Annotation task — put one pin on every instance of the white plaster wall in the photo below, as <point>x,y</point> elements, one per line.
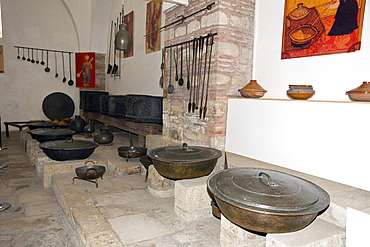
<point>40,24</point>
<point>140,73</point>
<point>68,25</point>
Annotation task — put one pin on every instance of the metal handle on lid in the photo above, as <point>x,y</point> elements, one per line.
<point>185,146</point>
<point>69,140</point>
<point>269,181</point>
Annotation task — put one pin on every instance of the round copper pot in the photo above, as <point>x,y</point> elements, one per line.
<point>184,162</point>
<point>266,201</point>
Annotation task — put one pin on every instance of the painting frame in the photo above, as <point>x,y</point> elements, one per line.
<point>321,27</point>
<point>85,69</point>
<point>153,22</point>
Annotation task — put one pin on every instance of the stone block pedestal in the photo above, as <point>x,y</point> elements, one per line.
<point>158,185</point>
<point>234,236</point>
<point>192,201</point>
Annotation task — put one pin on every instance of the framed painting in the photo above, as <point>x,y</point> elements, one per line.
<point>129,21</point>
<point>85,69</point>
<point>153,22</point>
<point>321,27</point>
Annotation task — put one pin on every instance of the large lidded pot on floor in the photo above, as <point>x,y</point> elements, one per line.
<point>184,162</point>
<point>266,201</point>
<point>69,149</point>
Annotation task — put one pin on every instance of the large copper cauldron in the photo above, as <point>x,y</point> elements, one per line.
<point>184,162</point>
<point>266,201</point>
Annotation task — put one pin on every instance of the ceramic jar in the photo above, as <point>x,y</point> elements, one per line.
<point>360,93</point>
<point>300,91</point>
<point>104,137</point>
<point>77,124</point>
<point>252,90</point>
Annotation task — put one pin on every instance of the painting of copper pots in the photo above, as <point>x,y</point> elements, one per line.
<point>301,92</point>
<point>360,93</point>
<point>266,201</point>
<point>252,90</point>
<point>184,162</point>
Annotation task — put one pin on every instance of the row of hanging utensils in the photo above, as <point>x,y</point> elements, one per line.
<point>33,55</point>
<point>194,73</point>
<point>114,69</point>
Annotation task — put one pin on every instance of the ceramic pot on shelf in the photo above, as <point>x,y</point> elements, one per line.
<point>300,92</point>
<point>104,137</point>
<point>360,93</point>
<point>252,90</point>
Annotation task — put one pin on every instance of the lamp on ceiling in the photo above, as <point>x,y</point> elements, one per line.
<point>122,39</point>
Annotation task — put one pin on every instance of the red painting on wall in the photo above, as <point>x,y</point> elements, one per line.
<point>321,27</point>
<point>85,69</point>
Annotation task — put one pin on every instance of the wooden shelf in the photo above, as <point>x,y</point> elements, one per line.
<point>141,129</point>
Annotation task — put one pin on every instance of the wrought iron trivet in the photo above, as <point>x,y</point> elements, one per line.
<point>95,181</point>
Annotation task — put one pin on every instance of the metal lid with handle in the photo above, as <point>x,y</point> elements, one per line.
<point>268,190</point>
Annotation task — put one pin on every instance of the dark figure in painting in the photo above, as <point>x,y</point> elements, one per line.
<point>345,21</point>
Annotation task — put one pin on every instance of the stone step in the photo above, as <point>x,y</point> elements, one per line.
<point>318,233</point>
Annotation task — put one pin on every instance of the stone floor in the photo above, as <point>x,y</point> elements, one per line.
<point>121,212</point>
<point>35,217</point>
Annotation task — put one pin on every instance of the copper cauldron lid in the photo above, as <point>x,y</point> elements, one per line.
<point>184,153</point>
<point>267,190</point>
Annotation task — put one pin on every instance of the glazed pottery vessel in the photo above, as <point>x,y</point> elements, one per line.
<point>301,92</point>
<point>360,93</point>
<point>252,90</point>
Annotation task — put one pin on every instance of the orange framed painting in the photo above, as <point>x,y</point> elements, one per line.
<point>321,27</point>
<point>85,69</point>
<point>153,23</point>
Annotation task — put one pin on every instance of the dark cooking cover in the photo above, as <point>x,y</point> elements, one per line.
<point>57,106</point>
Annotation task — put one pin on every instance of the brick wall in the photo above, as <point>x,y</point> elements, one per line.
<point>231,67</point>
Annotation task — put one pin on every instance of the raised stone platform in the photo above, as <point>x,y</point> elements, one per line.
<point>105,155</point>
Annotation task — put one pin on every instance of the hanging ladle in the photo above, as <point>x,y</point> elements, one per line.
<point>42,57</point>
<point>56,64</point>
<point>47,69</point>
<point>170,87</point>
<point>162,69</point>
<point>37,56</point>
<point>64,72</point>
<point>28,57</point>
<point>181,80</point>
<point>23,58</point>
<point>18,53</point>
<point>32,60</point>
<point>70,82</point>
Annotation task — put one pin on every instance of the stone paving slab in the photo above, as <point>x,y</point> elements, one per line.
<point>125,211</point>
<point>34,218</point>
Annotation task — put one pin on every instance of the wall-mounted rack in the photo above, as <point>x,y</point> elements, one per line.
<point>182,19</point>
<point>41,49</point>
<point>189,41</point>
